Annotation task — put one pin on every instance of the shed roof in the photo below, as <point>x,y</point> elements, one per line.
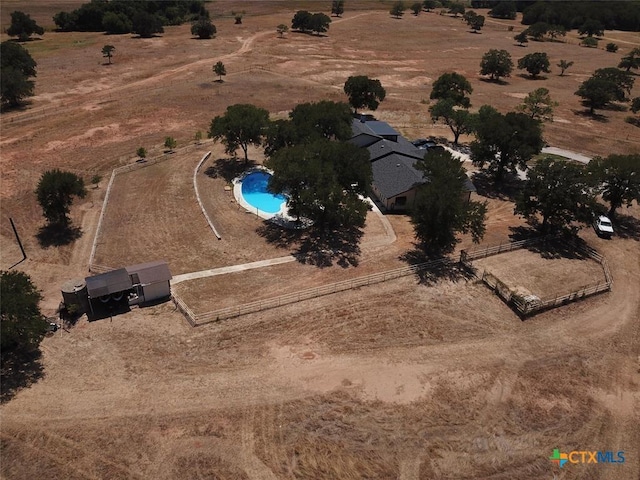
<point>152,272</point>
<point>107,283</point>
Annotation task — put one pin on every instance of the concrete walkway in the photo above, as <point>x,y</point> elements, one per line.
<point>578,157</point>
<point>231,269</point>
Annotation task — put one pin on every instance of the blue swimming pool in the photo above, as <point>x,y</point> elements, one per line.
<point>254,191</point>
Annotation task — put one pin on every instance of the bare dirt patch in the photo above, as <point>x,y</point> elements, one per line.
<point>545,273</point>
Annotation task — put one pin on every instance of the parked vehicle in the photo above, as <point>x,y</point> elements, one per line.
<point>603,226</point>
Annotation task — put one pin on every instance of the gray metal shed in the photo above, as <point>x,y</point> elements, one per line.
<point>151,280</point>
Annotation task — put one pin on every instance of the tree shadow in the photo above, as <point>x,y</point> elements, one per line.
<point>596,117</point>
<point>19,369</point>
<point>316,246</point>
<point>496,81</point>
<point>449,269</point>
<point>532,77</point>
<point>228,168</point>
<point>555,248</point>
<point>626,226</point>
<point>523,232</point>
<point>23,106</point>
<point>56,235</point>
<point>507,189</point>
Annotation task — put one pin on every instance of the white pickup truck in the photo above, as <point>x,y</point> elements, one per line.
<point>603,226</point>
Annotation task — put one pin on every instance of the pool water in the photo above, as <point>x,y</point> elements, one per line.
<point>254,191</point>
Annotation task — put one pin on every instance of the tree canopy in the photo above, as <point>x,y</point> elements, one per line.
<point>452,86</point>
<point>323,180</point>
<point>606,85</point>
<point>241,125</point>
<point>220,70</point>
<point>591,27</point>
<point>631,60</point>
<point>619,15</point>
<point>538,105</point>
<point>22,326</point>
<point>107,52</point>
<point>534,63</point>
<point>441,210</point>
<point>558,192</point>
<point>457,8</point>
<point>55,192</point>
<point>16,68</point>
<point>496,64</point>
<point>364,92</point>
<point>203,28</point>
<point>521,38</point>
<point>146,24</point>
<point>617,178</point>
<point>117,16</point>
<point>564,65</point>
<point>23,26</point>
<point>504,142</point>
<point>305,21</point>
<point>398,8</point>
<point>309,122</point>
<point>460,121</point>
<point>337,7</point>
<point>506,9</point>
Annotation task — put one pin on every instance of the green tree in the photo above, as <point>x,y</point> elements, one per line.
<point>564,65</point>
<point>170,143</point>
<point>219,70</point>
<point>556,31</point>
<point>319,23</point>
<point>282,29</point>
<point>241,125</point>
<point>397,10</point>
<point>309,122</point>
<point>538,105</point>
<point>591,28</point>
<point>146,24</point>
<point>589,42</point>
<point>458,120</point>
<point>22,326</point>
<point>323,181</point>
<point>521,38</point>
<point>364,92</point>
<point>538,30</point>
<point>635,105</point>
<point>198,137</point>
<point>55,192</point>
<point>116,23</point>
<point>596,93</point>
<point>141,152</point>
<point>632,60</point>
<point>504,142</point>
<point>457,8</point>
<point>416,8</point>
<point>476,23</point>
<point>429,4</point>
<point>452,86</point>
<point>611,47</point>
<point>16,67</point>
<point>107,52</point>
<point>557,191</point>
<point>203,28</point>
<point>441,211</point>
<point>622,80</point>
<point>534,63</point>
<point>496,64</point>
<point>505,9</point>
<point>337,8</point>
<point>95,180</point>
<point>618,179</point>
<point>301,20</point>
<point>23,26</point>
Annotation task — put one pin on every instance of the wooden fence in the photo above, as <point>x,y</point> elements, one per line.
<point>301,295</point>
<point>528,305</point>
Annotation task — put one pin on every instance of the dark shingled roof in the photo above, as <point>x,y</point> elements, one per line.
<point>152,272</point>
<point>107,283</point>
<point>395,174</point>
<point>392,162</point>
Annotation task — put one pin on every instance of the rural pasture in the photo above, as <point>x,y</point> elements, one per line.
<point>407,379</point>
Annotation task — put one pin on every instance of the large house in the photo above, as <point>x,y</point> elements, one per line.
<point>393,158</point>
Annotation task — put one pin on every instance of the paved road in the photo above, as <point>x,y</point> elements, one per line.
<point>567,153</point>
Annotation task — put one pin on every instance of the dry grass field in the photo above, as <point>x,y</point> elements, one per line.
<point>405,379</point>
